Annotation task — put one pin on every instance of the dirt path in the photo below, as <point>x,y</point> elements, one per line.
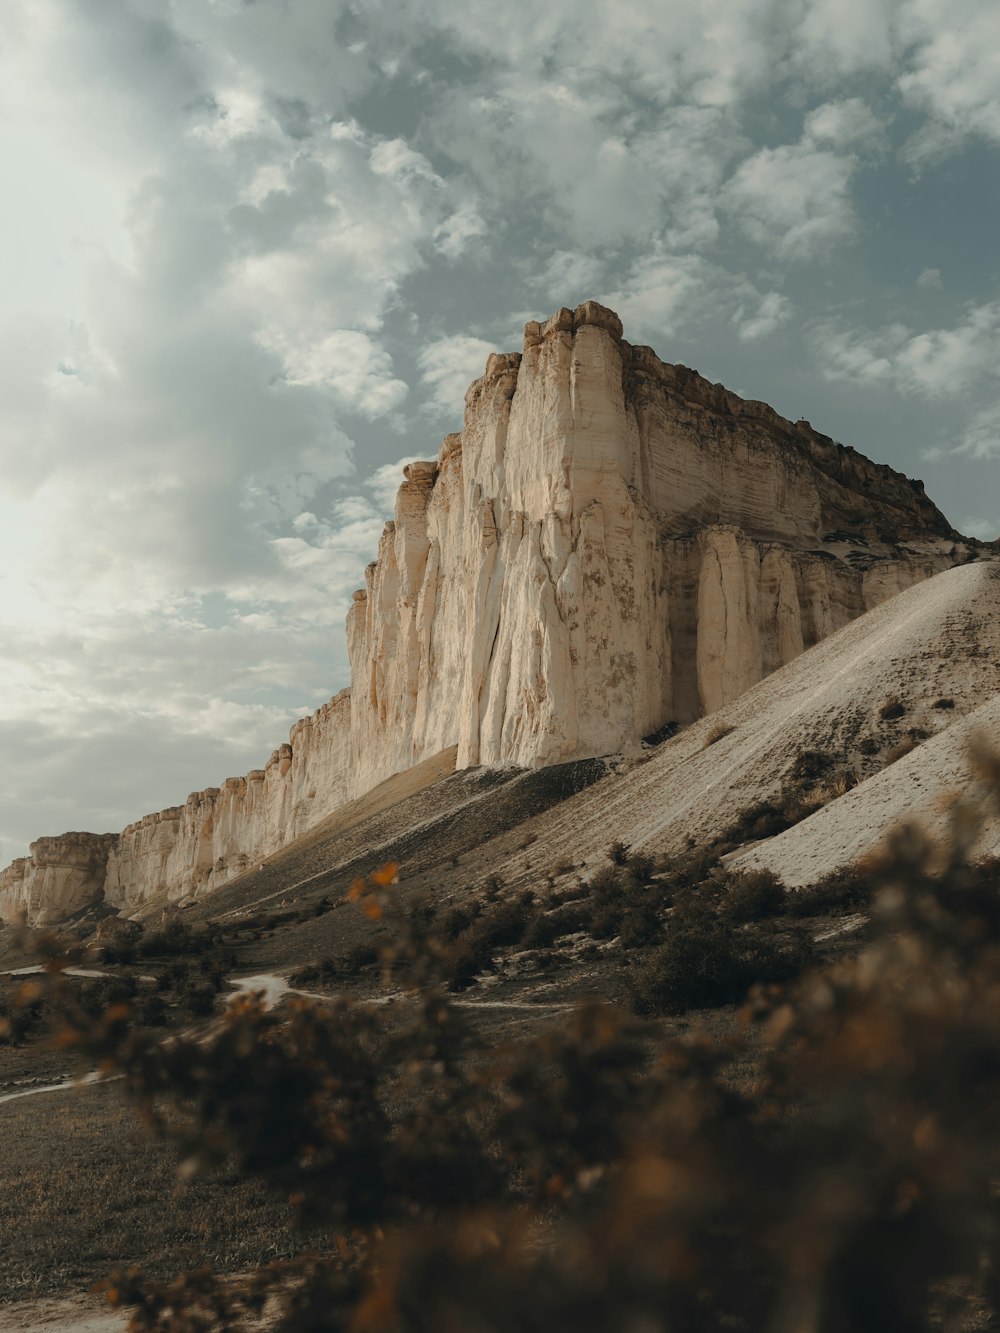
<point>274,987</point>
<point>88,1079</point>
<point>90,973</point>
<point>72,1314</point>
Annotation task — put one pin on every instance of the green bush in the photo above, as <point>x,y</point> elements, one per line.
<point>618,853</point>
<point>502,926</point>
<point>324,972</point>
<point>21,1018</point>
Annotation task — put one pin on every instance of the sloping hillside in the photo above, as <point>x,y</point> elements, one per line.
<point>919,672</point>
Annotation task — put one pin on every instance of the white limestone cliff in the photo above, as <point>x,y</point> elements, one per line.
<point>58,877</point>
<point>609,544</point>
<point>221,832</point>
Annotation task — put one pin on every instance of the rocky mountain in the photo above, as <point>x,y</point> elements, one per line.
<point>611,545</point>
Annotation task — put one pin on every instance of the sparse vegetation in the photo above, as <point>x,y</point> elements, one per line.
<point>89,1187</point>
<point>846,890</point>
<point>828,1160</point>
<point>871,1084</point>
<point>704,963</point>
<point>717,733</point>
<point>943,704</point>
<point>754,895</point>
<point>892,709</point>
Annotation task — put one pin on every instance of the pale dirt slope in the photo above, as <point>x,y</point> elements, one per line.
<point>918,788</point>
<point>938,640</point>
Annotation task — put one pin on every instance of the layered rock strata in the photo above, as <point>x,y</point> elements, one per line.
<point>611,543</point>
<point>58,877</point>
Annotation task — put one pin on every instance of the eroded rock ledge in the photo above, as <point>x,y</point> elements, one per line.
<point>609,544</point>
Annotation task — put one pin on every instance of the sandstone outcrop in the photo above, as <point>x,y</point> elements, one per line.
<point>610,544</point>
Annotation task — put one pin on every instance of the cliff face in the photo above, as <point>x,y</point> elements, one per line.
<point>221,832</point>
<point>60,876</point>
<point>611,543</point>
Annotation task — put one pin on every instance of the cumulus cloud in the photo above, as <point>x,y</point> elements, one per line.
<point>667,295</point>
<point>935,363</point>
<point>981,436</point>
<point>795,200</point>
<point>459,230</point>
<point>577,154</point>
<point>712,51</point>
<point>351,364</point>
<point>954,75</point>
<point>447,367</point>
<point>850,123</point>
<point>760,320</point>
<point>837,38</point>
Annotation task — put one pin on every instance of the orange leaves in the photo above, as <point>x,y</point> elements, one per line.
<point>367,891</point>
<point>356,890</point>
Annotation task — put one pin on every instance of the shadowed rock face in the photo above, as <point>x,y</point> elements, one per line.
<point>611,543</point>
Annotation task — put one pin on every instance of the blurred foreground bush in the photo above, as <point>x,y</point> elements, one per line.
<point>605,1179</point>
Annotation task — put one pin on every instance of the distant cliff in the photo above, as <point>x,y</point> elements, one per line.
<point>611,543</point>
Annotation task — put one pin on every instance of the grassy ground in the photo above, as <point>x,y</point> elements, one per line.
<point>86,1190</point>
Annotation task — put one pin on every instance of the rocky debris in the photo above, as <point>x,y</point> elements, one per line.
<point>118,930</point>
<point>610,544</point>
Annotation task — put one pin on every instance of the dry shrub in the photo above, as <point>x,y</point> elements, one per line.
<point>705,963</point>
<point>848,889</point>
<point>753,895</point>
<point>716,733</point>
<point>571,1183</point>
<point>897,752</point>
<point>892,709</point>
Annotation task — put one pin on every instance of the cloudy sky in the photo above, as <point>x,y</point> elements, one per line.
<point>252,252</point>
